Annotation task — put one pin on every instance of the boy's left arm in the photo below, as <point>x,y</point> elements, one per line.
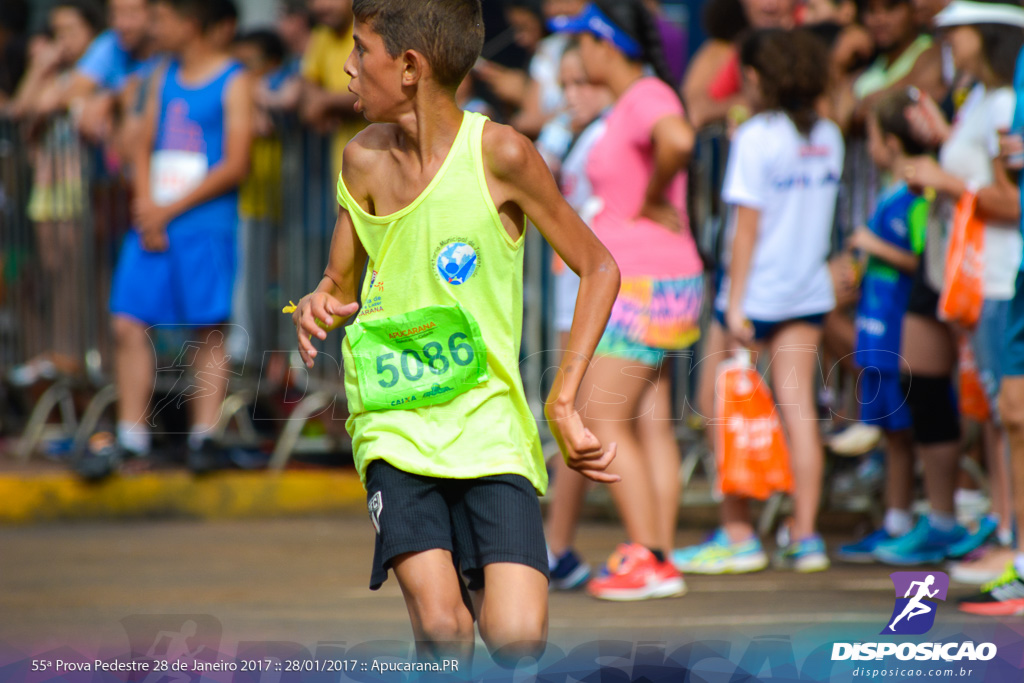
<point>873,245</point>
<point>523,179</point>
<point>233,167</point>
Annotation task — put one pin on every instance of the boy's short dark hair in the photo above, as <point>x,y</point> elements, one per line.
<point>448,33</point>
<point>208,13</point>
<point>891,114</point>
<point>91,13</point>
<point>267,41</point>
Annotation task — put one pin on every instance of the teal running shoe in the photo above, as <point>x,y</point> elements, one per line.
<point>862,552</point>
<point>806,555</point>
<point>718,555</point>
<point>924,545</point>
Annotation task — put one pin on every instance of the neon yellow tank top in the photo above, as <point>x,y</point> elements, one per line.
<point>432,359</point>
<point>881,74</point>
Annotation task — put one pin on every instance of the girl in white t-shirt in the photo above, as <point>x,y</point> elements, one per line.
<point>781,182</point>
<point>968,162</point>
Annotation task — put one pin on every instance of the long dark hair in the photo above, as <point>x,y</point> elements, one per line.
<point>793,70</point>
<point>1000,44</point>
<point>633,17</point>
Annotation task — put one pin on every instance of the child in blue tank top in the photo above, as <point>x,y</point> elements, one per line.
<point>177,267</point>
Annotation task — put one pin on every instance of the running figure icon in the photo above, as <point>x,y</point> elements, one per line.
<point>916,607</point>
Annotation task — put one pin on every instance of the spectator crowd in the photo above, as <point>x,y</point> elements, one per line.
<point>870,188</point>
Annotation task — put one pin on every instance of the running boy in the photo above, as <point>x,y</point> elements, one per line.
<point>433,203</point>
<point>177,267</point>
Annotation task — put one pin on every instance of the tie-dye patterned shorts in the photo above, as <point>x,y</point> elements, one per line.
<point>652,316</point>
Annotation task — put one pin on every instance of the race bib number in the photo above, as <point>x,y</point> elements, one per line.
<point>421,358</point>
<point>174,173</point>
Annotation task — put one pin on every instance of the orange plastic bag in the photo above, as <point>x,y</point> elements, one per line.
<point>973,399</point>
<point>963,289</point>
<point>750,446</point>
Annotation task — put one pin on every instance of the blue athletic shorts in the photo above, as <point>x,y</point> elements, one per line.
<point>882,401</point>
<point>189,284</point>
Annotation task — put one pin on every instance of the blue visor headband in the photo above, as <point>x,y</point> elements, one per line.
<point>592,20</point>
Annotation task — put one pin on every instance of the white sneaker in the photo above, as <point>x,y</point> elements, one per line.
<point>857,439</point>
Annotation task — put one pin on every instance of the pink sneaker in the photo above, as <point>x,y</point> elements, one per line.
<point>637,575</point>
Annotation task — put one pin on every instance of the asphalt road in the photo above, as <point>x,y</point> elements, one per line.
<point>100,588</point>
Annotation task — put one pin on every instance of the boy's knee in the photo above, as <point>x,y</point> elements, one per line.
<point>127,332</point>
<point>446,625</point>
<point>509,642</point>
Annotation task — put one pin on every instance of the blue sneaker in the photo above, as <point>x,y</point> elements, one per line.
<point>861,552</point>
<point>718,555</point>
<point>806,555</point>
<point>924,545</point>
<point>570,572</point>
<point>987,528</point>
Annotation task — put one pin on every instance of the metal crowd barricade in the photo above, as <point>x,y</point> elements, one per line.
<point>52,260</point>
<point>55,283</point>
<point>309,212</point>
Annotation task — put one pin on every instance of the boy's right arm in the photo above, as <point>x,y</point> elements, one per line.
<point>143,197</point>
<point>337,294</point>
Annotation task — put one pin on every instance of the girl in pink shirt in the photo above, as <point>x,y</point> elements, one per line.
<point>637,172</point>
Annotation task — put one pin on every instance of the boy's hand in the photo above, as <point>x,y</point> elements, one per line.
<point>151,222</point>
<point>318,307</point>
<point>861,238</point>
<point>580,448</point>
<point>663,213</point>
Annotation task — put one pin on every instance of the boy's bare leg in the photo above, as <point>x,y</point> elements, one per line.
<point>441,622</point>
<point>210,377</point>
<point>513,615</point>
<point>135,368</point>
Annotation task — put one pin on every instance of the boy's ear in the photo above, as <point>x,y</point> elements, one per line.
<point>414,67</point>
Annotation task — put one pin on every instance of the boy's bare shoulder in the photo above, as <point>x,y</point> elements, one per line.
<point>506,151</point>
<point>364,157</point>
<point>369,146</point>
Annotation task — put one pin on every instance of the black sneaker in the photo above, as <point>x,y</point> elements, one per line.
<point>1000,598</point>
<point>207,457</point>
<point>102,456</point>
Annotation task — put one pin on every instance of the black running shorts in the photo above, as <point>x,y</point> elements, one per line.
<point>480,521</point>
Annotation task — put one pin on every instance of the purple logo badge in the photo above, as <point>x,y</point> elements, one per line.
<point>916,596</point>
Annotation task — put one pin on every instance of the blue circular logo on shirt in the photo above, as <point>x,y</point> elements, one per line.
<point>456,263</point>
